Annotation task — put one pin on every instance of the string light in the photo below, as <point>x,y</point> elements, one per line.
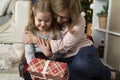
<point>92,5</point>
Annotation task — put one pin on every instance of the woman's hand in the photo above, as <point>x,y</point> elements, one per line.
<point>45,47</point>
<point>29,38</point>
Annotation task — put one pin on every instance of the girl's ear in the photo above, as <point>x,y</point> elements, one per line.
<point>33,1</point>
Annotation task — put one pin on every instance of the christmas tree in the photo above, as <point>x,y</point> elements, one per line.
<point>87,11</point>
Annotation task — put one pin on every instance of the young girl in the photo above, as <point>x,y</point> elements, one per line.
<point>40,24</point>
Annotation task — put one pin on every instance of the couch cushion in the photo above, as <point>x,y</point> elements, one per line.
<point>3,6</point>
<point>19,20</point>
<point>10,54</point>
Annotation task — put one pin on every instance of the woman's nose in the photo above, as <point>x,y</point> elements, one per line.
<point>59,19</point>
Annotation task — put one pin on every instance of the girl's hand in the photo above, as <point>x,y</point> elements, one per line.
<point>29,38</point>
<point>45,47</point>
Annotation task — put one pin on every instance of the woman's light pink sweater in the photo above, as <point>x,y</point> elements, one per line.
<point>70,43</point>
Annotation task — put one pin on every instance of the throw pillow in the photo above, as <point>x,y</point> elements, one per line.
<point>11,6</point>
<point>3,6</point>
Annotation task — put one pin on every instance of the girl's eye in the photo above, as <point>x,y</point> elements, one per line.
<point>47,20</point>
<point>39,20</point>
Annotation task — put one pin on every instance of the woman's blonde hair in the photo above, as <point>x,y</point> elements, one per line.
<point>40,6</point>
<point>74,7</point>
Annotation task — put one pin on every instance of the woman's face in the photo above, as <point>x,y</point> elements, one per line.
<point>43,20</point>
<point>62,16</point>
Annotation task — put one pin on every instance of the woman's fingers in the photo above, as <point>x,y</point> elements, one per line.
<point>26,37</point>
<point>29,37</point>
<point>26,32</point>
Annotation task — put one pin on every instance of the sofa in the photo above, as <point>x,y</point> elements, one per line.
<point>12,24</point>
<point>13,33</point>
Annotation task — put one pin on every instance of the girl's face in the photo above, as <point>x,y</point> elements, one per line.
<point>43,20</point>
<point>62,16</point>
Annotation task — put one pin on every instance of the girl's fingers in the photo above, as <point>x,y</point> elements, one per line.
<point>39,41</point>
<point>47,44</point>
<point>43,42</point>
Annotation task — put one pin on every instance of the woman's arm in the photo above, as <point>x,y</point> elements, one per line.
<point>65,44</point>
<point>29,38</point>
<point>69,40</point>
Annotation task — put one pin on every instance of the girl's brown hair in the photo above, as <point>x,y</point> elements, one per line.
<point>40,6</point>
<point>74,7</point>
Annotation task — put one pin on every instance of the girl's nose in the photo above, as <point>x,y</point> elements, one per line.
<point>43,23</point>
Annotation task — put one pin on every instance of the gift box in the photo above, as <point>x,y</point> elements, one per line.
<point>41,69</point>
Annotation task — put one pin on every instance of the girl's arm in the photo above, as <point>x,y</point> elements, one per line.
<point>29,52</point>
